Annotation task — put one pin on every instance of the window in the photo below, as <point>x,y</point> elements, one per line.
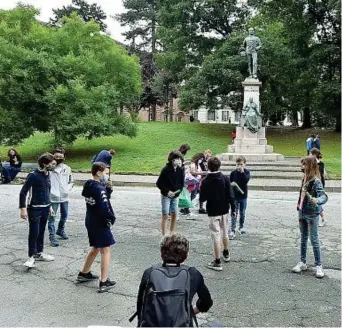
<point>225,116</point>
<point>195,113</point>
<point>211,115</point>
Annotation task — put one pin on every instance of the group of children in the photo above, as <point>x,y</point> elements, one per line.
<point>222,193</point>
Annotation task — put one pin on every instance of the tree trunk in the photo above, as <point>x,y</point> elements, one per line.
<point>294,117</point>
<point>338,122</point>
<point>153,30</point>
<point>306,118</point>
<point>153,109</point>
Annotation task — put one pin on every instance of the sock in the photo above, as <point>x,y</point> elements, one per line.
<point>225,251</point>
<point>218,261</point>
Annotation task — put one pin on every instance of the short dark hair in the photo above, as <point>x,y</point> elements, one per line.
<point>240,159</point>
<point>184,148</point>
<point>16,153</point>
<point>45,159</point>
<point>316,152</point>
<point>59,150</point>
<point>174,155</point>
<point>112,151</point>
<point>174,248</point>
<point>214,164</point>
<point>312,136</point>
<point>98,166</point>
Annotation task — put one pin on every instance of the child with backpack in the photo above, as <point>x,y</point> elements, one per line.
<point>317,153</point>
<point>216,191</point>
<point>240,178</point>
<point>311,196</point>
<point>166,290</point>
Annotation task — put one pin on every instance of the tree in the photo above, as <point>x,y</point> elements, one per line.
<point>83,9</point>
<point>141,20</point>
<point>69,81</point>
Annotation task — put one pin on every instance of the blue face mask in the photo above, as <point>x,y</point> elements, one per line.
<point>104,180</point>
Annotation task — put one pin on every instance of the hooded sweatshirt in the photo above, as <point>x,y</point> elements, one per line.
<point>217,192</point>
<point>99,209</point>
<point>171,179</point>
<point>61,183</point>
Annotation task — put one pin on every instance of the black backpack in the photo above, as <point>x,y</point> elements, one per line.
<point>166,300</point>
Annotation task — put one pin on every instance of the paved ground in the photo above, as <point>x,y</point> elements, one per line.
<point>256,289</point>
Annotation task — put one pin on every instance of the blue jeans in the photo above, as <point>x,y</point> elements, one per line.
<point>169,205</point>
<point>64,215</point>
<point>240,206</point>
<point>309,226</point>
<point>37,218</point>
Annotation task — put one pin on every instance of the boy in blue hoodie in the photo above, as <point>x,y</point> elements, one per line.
<point>99,218</point>
<point>241,177</point>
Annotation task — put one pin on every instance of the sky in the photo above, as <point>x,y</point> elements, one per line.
<point>110,7</point>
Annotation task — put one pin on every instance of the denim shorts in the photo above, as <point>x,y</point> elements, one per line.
<point>169,205</point>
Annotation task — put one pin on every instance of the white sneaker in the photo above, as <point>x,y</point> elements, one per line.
<point>191,216</point>
<point>30,262</point>
<point>242,231</point>
<point>43,257</point>
<point>319,271</point>
<point>300,267</point>
<point>322,223</point>
<point>232,235</point>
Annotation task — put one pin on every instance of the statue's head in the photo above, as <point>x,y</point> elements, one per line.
<point>250,99</point>
<point>251,31</point>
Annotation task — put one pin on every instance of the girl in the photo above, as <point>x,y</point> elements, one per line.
<point>9,172</point>
<point>311,196</point>
<point>316,152</point>
<point>99,218</point>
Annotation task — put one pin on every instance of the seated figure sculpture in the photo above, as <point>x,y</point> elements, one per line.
<point>251,117</point>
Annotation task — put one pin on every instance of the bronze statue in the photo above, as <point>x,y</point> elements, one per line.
<point>251,45</point>
<point>251,117</point>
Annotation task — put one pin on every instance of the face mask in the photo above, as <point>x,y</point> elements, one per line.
<point>50,167</point>
<point>176,163</point>
<point>104,180</point>
<point>59,161</point>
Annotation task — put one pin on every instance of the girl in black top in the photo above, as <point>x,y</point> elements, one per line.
<point>9,172</point>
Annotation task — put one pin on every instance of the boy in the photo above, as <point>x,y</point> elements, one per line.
<point>216,191</point>
<point>171,279</point>
<point>99,219</point>
<point>38,208</point>
<point>170,184</point>
<point>241,177</point>
<point>104,156</point>
<point>61,184</point>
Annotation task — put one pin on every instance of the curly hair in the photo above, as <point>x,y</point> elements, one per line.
<point>174,155</point>
<point>174,248</point>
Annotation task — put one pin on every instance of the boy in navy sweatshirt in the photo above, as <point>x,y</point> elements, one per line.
<point>38,208</point>
<point>216,191</point>
<point>241,177</point>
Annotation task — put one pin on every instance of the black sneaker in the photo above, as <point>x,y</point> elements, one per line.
<point>83,277</point>
<point>62,234</point>
<point>202,211</point>
<point>226,255</point>
<point>106,285</point>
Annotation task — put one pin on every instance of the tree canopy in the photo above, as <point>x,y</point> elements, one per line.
<point>69,81</point>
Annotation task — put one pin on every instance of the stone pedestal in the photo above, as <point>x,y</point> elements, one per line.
<point>253,146</point>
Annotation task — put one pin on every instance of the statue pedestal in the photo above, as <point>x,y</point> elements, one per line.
<point>253,146</point>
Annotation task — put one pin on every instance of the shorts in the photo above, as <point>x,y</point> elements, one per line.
<point>218,227</point>
<point>169,205</point>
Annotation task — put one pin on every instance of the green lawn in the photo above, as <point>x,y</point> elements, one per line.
<point>148,151</point>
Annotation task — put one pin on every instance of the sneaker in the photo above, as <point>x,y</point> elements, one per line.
<point>191,216</point>
<point>106,285</point>
<point>62,234</point>
<point>300,267</point>
<point>43,257</point>
<point>232,235</point>
<point>83,277</point>
<point>226,255</point>
<point>30,262</point>
<point>242,231</point>
<point>319,271</point>
<point>214,266</point>
<point>202,211</point>
<point>54,243</point>
<point>322,223</point>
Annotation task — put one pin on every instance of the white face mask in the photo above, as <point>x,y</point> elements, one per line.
<point>176,162</point>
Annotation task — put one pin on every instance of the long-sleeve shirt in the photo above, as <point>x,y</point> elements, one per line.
<point>170,179</point>
<point>197,286</point>
<point>103,156</point>
<point>61,183</point>
<point>15,161</point>
<point>241,179</point>
<point>38,186</point>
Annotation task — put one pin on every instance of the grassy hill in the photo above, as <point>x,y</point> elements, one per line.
<point>148,151</point>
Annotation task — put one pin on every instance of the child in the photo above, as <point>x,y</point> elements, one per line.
<point>9,172</point>
<point>316,152</point>
<point>170,184</point>
<point>241,177</point>
<point>311,196</point>
<point>233,135</point>
<point>99,218</point>
<point>61,184</point>
<point>38,208</point>
<point>216,191</point>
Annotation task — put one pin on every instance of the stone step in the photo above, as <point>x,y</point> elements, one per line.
<point>271,174</point>
<point>254,184</point>
<point>263,168</point>
<point>294,163</point>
